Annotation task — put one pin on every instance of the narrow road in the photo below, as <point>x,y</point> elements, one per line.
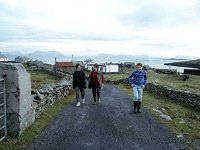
<point>110,125</point>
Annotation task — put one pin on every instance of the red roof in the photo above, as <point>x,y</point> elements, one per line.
<point>65,64</point>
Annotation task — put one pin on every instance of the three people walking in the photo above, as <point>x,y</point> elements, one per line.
<point>137,79</point>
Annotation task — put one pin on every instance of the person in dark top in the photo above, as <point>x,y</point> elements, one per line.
<point>79,84</point>
<point>96,80</point>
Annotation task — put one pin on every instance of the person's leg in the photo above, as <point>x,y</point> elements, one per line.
<point>98,92</point>
<point>82,90</point>
<point>77,96</point>
<point>94,93</point>
<point>135,93</point>
<point>135,98</point>
<point>140,92</point>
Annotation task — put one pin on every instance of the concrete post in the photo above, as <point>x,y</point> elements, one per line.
<point>20,112</point>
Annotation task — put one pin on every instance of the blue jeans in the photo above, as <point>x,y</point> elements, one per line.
<point>137,92</point>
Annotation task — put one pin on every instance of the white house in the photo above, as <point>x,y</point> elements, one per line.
<point>107,68</point>
<point>3,58</point>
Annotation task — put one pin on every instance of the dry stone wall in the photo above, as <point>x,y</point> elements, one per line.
<point>46,95</point>
<point>186,97</point>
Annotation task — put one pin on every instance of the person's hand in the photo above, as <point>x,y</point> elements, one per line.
<point>142,86</point>
<point>132,85</point>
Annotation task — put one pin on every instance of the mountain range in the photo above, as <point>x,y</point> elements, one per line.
<point>49,57</point>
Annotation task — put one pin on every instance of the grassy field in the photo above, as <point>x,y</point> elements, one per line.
<point>178,112</point>
<point>40,78</point>
<point>175,81</point>
<point>172,81</point>
<point>36,128</point>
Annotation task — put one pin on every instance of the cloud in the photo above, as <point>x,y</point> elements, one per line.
<point>154,14</point>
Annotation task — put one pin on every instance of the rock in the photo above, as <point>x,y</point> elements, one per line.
<point>182,121</point>
<point>166,117</point>
<point>180,135</point>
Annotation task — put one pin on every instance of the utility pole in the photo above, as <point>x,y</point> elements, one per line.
<point>55,67</point>
<point>72,57</point>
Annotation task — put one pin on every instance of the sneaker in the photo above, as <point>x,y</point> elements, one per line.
<point>139,111</point>
<point>134,111</point>
<point>94,103</point>
<point>99,101</point>
<point>83,101</point>
<point>78,104</point>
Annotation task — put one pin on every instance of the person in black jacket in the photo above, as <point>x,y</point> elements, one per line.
<point>79,84</point>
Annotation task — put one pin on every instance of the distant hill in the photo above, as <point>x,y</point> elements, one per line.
<point>191,63</point>
<point>48,57</point>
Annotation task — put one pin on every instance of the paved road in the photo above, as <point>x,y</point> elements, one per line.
<point>110,125</point>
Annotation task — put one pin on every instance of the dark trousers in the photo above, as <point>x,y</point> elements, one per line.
<point>96,89</point>
<point>80,90</point>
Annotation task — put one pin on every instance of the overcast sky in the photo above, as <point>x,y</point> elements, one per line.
<point>163,28</point>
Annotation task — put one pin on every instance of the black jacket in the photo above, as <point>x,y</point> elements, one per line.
<point>79,79</point>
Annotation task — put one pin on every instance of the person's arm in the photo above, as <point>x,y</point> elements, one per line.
<point>145,78</point>
<point>103,78</point>
<point>73,80</point>
<point>130,78</point>
<point>84,80</point>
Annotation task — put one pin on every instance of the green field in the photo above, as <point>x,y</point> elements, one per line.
<point>172,81</point>
<point>40,78</point>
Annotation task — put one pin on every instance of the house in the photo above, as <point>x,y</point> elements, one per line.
<point>65,66</point>
<point>22,59</point>
<point>3,58</point>
<point>89,62</point>
<point>106,68</point>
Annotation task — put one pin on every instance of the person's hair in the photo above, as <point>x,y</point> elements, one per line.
<point>77,65</point>
<point>139,64</point>
<point>96,65</point>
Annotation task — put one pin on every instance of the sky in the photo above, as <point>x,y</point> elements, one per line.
<point>165,28</point>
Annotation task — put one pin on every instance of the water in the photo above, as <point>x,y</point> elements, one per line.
<point>159,64</point>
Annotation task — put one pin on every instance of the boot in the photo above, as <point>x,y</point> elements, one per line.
<point>135,106</point>
<point>139,107</point>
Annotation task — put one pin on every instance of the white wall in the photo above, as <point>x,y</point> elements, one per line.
<point>106,68</point>
<point>112,68</point>
<point>3,59</point>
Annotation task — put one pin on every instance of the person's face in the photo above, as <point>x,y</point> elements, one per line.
<point>139,67</point>
<point>95,69</point>
<point>79,67</point>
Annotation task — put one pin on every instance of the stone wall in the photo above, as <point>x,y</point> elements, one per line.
<point>20,112</point>
<point>186,97</point>
<point>48,94</point>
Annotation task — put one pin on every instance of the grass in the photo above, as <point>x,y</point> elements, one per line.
<point>175,82</point>
<point>36,128</point>
<point>40,78</point>
<point>177,111</point>
<point>172,81</point>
